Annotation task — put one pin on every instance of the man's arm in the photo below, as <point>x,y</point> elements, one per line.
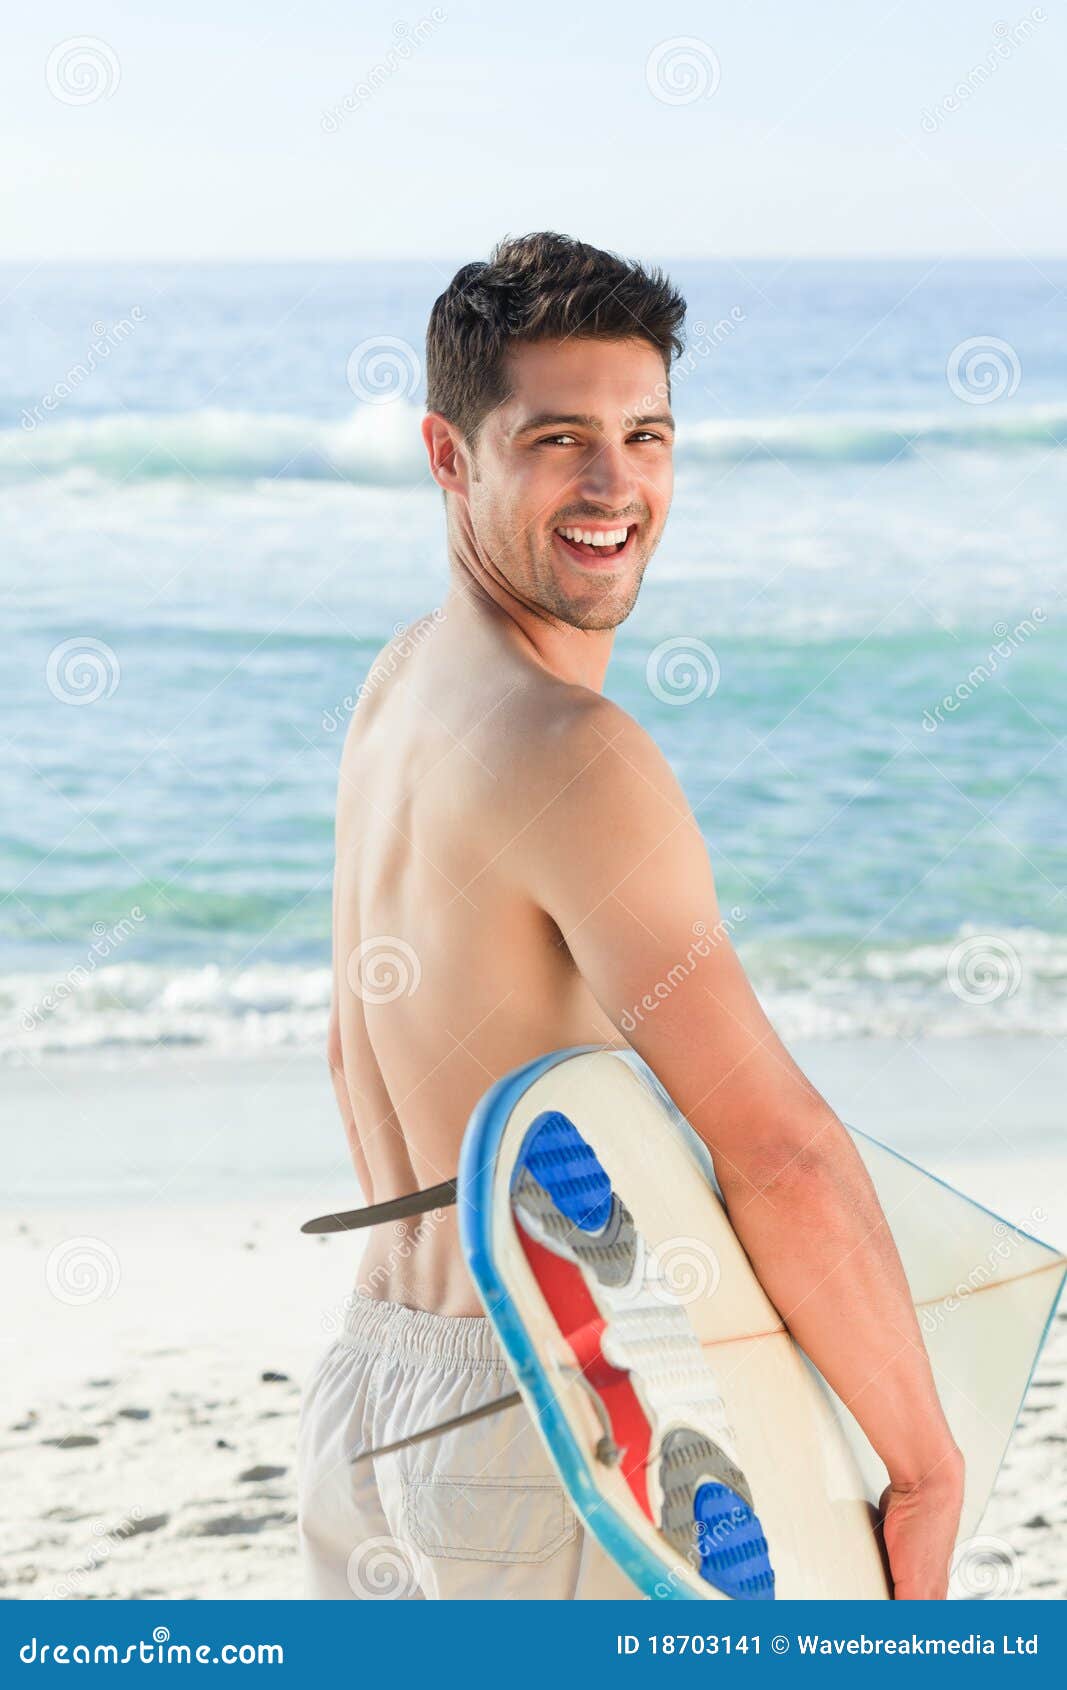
<point>617,860</point>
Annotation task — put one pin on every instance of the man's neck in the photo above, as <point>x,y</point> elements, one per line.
<point>579,656</point>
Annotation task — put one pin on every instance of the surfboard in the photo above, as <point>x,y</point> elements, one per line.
<point>697,1442</point>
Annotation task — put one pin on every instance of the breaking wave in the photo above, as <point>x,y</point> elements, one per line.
<point>381,446</point>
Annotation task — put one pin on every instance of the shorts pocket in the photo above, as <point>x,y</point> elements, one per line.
<point>479,1519</point>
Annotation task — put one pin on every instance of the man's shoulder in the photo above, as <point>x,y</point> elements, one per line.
<point>405,641</point>
<point>587,757</point>
<point>598,807</point>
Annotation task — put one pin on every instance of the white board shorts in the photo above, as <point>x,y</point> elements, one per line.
<point>477,1513</point>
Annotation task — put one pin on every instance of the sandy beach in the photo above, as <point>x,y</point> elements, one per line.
<point>147,1434</point>
<point>148,1446</point>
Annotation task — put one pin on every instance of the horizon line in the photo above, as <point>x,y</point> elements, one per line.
<point>262,261</point>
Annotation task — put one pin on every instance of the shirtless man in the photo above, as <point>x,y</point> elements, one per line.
<point>516,863</point>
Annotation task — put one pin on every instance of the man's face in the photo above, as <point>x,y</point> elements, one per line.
<point>582,446</point>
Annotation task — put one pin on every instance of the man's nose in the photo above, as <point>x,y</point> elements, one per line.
<point>607,478</point>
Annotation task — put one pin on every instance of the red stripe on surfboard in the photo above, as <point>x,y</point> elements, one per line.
<point>581,1323</point>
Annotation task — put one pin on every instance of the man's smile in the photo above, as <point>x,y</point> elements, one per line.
<point>596,545</point>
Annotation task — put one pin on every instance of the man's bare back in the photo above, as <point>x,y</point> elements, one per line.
<point>454,975</point>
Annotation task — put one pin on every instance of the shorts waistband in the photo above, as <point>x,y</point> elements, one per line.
<point>394,1329</point>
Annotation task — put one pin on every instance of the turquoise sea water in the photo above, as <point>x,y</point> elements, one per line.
<point>213,522</point>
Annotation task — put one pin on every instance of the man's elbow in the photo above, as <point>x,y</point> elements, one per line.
<point>786,1155</point>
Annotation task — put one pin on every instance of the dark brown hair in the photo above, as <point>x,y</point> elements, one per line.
<point>537,287</point>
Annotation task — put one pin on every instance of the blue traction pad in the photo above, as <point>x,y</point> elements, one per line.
<point>733,1549</point>
<point>558,1158</point>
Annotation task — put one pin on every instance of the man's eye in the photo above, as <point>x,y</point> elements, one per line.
<point>640,436</point>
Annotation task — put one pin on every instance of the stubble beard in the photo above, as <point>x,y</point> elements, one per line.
<point>601,608</point>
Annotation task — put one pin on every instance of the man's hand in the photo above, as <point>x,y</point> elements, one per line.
<point>919,1524</point>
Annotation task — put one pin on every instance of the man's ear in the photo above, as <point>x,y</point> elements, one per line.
<point>447,452</point>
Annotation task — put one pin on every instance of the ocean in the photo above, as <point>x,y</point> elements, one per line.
<point>850,644</point>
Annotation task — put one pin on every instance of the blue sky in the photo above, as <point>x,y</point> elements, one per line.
<point>226,134</point>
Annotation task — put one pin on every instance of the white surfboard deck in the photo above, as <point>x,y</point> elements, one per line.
<point>984,1293</point>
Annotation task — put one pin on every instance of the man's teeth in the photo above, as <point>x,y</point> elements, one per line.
<point>611,537</point>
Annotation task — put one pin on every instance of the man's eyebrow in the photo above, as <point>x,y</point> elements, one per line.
<point>552,419</point>
<point>660,419</point>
